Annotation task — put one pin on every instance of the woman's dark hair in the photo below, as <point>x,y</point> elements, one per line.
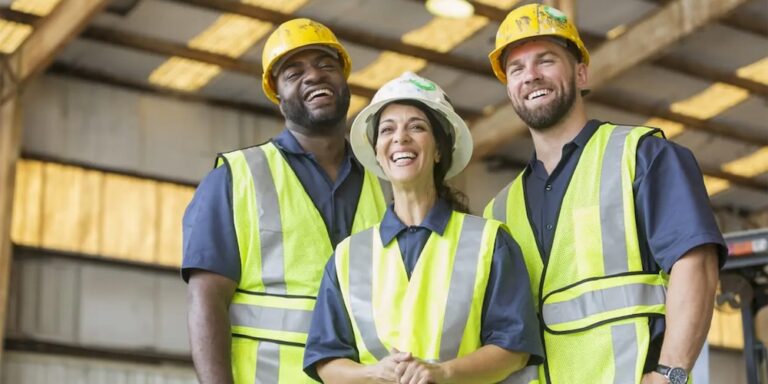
<point>440,130</point>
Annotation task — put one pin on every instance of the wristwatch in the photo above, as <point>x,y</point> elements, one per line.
<point>675,375</point>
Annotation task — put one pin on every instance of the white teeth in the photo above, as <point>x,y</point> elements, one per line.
<point>537,93</point>
<point>319,92</point>
<point>397,156</point>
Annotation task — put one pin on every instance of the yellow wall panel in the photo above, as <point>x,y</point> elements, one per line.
<point>61,207</point>
<point>129,214</point>
<point>90,214</point>
<point>25,227</point>
<point>173,200</point>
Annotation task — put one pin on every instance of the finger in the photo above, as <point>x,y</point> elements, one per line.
<point>400,368</point>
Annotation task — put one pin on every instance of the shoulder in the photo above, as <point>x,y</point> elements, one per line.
<point>653,152</point>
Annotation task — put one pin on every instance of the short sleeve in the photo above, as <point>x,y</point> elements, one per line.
<point>671,203</point>
<point>509,317</point>
<point>209,237</point>
<point>330,334</point>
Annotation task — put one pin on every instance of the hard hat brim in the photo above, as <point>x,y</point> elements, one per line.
<point>361,136</point>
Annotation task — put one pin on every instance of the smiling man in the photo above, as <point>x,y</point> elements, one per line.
<point>614,222</point>
<point>263,223</point>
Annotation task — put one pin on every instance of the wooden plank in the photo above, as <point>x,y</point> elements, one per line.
<point>10,140</point>
<point>50,35</point>
<point>65,22</point>
<point>641,42</point>
<point>353,35</point>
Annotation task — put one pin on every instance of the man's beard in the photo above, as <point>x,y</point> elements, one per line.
<point>547,116</point>
<point>295,111</point>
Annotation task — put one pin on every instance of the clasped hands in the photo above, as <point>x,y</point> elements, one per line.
<point>404,368</point>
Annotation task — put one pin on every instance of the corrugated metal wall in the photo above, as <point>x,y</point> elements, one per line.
<point>89,304</point>
<point>33,368</point>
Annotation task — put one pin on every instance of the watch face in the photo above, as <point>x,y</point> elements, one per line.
<point>677,376</point>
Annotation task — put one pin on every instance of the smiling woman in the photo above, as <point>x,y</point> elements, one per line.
<point>450,299</point>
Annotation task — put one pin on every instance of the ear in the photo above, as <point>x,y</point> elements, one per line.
<point>582,75</point>
<point>437,157</point>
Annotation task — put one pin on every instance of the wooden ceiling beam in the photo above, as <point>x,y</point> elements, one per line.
<point>749,23</point>
<point>636,105</point>
<point>641,41</point>
<point>353,35</point>
<point>167,48</point>
<point>66,70</point>
<point>47,39</point>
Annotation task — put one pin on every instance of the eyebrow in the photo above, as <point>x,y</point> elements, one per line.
<point>295,63</point>
<point>408,121</point>
<point>538,56</point>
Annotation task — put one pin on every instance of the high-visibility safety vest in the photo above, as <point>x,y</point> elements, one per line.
<point>437,314</point>
<point>284,246</point>
<point>593,297</point>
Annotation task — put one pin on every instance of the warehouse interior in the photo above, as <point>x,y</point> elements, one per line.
<point>113,110</point>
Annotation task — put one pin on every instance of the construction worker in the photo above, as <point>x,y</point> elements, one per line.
<point>431,294</point>
<point>263,224</point>
<point>614,221</point>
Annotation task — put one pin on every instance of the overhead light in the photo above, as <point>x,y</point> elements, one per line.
<point>450,8</point>
<point>443,34</point>
<point>35,7</point>
<point>12,35</point>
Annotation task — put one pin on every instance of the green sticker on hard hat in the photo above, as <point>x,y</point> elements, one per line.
<point>423,84</point>
<point>556,14</point>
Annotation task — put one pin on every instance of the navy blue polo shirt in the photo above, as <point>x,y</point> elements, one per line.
<point>210,241</point>
<point>508,316</point>
<point>672,207</point>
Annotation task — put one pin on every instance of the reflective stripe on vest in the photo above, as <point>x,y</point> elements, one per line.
<point>284,247</point>
<point>527,375</point>
<point>465,245</point>
<point>594,287</point>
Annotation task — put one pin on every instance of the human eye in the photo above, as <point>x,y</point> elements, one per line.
<point>385,129</point>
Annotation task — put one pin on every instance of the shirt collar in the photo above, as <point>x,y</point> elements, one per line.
<point>287,142</point>
<point>436,221</point>
<point>581,139</point>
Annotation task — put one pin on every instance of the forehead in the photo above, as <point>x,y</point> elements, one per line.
<point>533,46</point>
<point>304,56</point>
<point>401,111</point>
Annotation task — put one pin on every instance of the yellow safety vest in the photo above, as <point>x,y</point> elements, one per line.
<point>284,246</point>
<point>437,314</point>
<point>593,297</point>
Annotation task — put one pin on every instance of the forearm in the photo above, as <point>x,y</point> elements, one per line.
<point>489,364</point>
<point>690,298</point>
<point>345,371</point>
<point>210,341</point>
<point>209,330</point>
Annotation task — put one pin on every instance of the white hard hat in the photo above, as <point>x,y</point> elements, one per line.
<point>410,86</point>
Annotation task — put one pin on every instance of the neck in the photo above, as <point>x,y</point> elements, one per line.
<point>328,149</point>
<point>549,142</point>
<point>412,204</point>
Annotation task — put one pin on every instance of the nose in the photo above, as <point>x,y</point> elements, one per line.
<point>401,136</point>
<point>531,74</point>
<point>313,75</point>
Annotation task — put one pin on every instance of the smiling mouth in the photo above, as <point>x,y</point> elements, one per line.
<point>322,92</point>
<point>402,157</point>
<point>538,93</point>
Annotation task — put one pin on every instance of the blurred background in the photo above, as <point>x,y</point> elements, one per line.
<point>112,112</point>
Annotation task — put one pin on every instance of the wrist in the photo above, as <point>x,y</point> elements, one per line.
<point>445,372</point>
<point>673,374</point>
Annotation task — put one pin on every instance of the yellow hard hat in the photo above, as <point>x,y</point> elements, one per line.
<point>528,21</point>
<point>290,36</point>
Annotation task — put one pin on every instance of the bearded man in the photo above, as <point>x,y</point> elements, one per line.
<point>614,222</point>
<point>264,222</point>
